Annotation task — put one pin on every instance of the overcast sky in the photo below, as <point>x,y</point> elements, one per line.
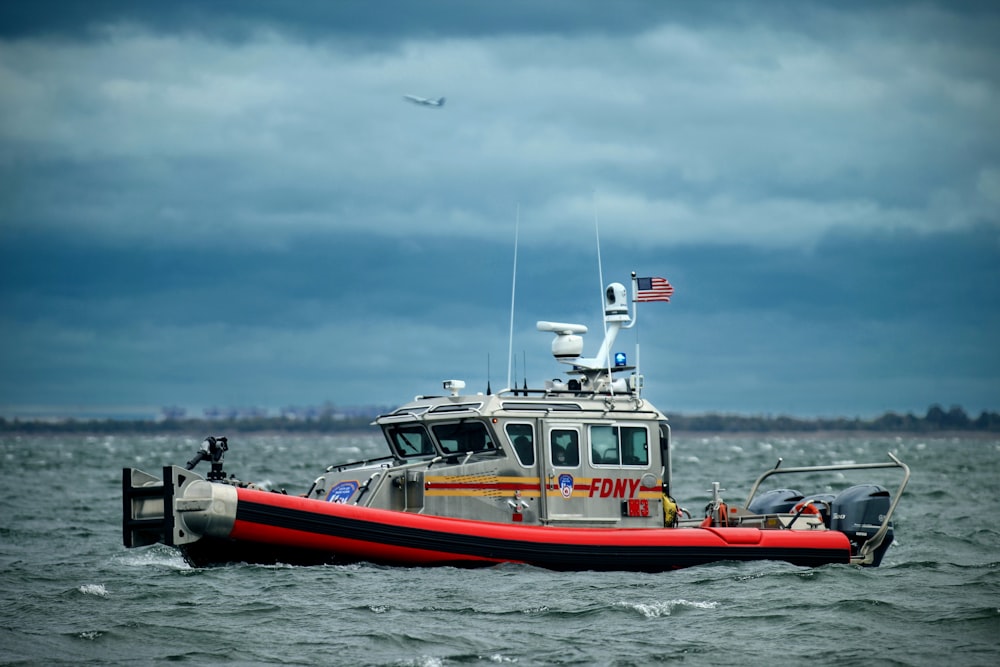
<point>233,205</point>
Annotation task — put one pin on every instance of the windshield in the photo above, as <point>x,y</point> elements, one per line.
<point>409,440</point>
<point>470,436</point>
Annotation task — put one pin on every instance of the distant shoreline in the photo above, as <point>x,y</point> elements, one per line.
<point>936,421</point>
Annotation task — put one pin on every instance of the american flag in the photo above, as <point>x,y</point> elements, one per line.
<point>653,289</point>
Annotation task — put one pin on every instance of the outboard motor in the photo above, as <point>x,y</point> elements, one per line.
<point>775,501</point>
<point>859,512</point>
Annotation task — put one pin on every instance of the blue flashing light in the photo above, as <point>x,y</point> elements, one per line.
<point>620,359</point>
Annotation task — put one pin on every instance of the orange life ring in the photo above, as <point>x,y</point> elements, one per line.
<point>806,507</point>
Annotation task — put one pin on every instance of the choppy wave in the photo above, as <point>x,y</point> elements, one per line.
<point>75,595</point>
<point>667,608</point>
<point>94,589</point>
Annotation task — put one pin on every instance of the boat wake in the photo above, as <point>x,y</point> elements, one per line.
<point>156,556</point>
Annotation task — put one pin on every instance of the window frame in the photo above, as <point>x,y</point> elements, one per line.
<point>616,429</point>
<point>575,433</point>
<point>393,431</point>
<point>513,447</point>
<point>464,424</point>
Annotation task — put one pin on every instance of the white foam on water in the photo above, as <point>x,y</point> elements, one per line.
<point>94,589</point>
<point>425,661</point>
<point>541,609</point>
<point>154,557</point>
<point>658,609</point>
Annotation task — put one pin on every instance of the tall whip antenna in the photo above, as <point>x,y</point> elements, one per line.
<point>600,267</point>
<point>513,291</point>
<point>600,290</point>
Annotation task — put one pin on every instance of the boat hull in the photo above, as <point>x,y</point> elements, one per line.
<point>270,528</point>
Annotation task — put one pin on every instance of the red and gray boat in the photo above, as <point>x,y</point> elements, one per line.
<point>573,475</point>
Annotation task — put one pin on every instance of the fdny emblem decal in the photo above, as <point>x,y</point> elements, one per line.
<point>342,492</point>
<point>566,485</point>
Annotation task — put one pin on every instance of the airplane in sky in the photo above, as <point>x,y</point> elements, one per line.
<point>439,102</point>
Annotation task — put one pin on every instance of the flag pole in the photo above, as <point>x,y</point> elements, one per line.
<point>635,302</point>
<point>635,319</point>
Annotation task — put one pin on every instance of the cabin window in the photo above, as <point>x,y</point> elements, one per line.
<point>635,445</point>
<point>604,445</point>
<point>619,445</point>
<point>522,439</point>
<point>470,436</point>
<point>565,448</point>
<point>409,440</point>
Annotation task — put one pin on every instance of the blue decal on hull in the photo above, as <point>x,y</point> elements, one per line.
<point>342,492</point>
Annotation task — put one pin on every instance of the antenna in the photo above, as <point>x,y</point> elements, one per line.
<point>513,291</point>
<point>600,276</point>
<point>600,266</point>
<point>524,365</point>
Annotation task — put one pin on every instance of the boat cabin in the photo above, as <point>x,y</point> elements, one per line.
<point>551,458</point>
<point>586,451</point>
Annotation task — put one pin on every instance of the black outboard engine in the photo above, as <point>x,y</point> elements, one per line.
<point>775,501</point>
<point>859,512</point>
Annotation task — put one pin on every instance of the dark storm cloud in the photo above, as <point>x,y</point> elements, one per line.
<point>889,306</point>
<point>316,18</point>
<point>230,203</point>
<point>753,133</point>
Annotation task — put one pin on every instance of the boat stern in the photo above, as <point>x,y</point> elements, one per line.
<point>179,508</point>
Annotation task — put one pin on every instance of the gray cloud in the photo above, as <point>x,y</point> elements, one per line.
<point>764,134</point>
<point>182,189</point>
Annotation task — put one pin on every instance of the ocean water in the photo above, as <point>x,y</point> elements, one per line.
<point>70,593</point>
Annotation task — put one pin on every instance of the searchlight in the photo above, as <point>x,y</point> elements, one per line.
<point>454,386</point>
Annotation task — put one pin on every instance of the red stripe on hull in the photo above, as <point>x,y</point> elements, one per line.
<point>482,486</point>
<point>350,549</point>
<point>505,541</point>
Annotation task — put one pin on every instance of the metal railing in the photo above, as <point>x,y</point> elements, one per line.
<point>865,553</point>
